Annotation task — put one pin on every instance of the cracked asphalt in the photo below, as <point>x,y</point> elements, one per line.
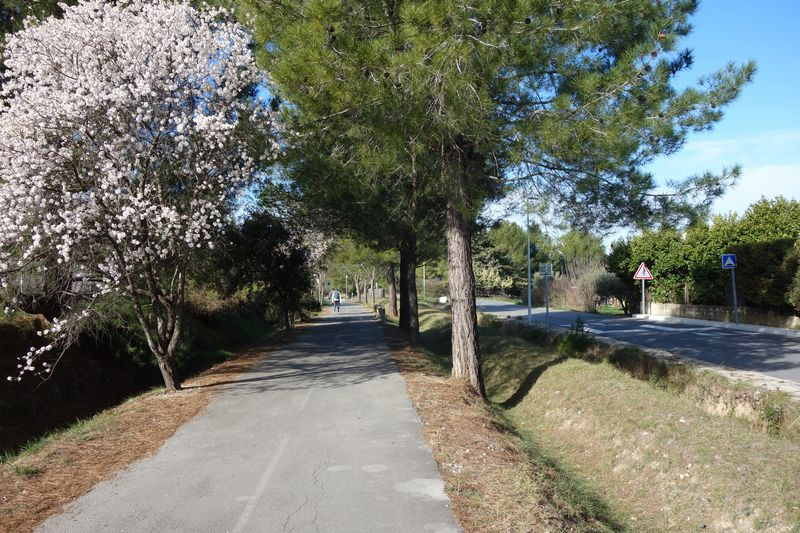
<point>319,437</point>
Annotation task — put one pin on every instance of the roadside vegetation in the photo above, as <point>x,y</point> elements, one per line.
<point>655,446</point>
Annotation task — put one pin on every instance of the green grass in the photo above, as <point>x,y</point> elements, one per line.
<point>609,310</point>
<point>27,471</point>
<point>631,440</point>
<point>85,429</point>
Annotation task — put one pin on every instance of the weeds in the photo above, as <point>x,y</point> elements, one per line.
<point>27,471</point>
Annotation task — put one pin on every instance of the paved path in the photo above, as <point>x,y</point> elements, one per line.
<point>320,437</point>
<point>774,355</point>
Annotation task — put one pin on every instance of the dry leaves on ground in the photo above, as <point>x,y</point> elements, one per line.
<point>37,485</point>
<point>492,484</point>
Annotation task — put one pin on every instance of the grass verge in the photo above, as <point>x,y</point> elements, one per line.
<point>668,448</point>
<point>50,472</point>
<point>496,480</point>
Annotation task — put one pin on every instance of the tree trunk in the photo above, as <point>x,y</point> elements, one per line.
<point>391,282</point>
<point>411,273</point>
<point>466,362</point>
<point>404,319</point>
<point>167,374</point>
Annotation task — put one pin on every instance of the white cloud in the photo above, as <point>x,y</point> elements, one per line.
<point>766,181</point>
<point>773,148</point>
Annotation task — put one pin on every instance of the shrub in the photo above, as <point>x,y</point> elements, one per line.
<point>612,286</point>
<point>574,344</point>
<point>487,320</point>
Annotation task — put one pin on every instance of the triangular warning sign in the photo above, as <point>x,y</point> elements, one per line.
<point>643,273</point>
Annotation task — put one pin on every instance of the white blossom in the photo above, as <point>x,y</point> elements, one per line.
<point>118,145</point>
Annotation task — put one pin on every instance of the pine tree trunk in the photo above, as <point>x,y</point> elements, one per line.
<point>466,364</point>
<point>404,318</point>
<point>391,281</point>
<point>413,309</point>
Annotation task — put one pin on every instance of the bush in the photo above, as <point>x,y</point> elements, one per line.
<point>612,286</point>
<point>574,344</point>
<point>487,320</point>
<point>687,269</point>
<point>793,294</point>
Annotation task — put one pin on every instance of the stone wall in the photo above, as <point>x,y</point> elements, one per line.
<point>747,315</point>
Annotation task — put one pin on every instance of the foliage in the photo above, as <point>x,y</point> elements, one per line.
<point>111,179</point>
<point>577,248</point>
<point>610,285</point>
<point>265,257</point>
<point>687,268</point>
<point>793,295</point>
<point>14,12</point>
<point>493,270</point>
<point>447,103</point>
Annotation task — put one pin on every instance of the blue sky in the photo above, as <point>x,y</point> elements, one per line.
<point>761,129</point>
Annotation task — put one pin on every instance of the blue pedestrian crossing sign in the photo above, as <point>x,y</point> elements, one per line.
<point>728,261</point>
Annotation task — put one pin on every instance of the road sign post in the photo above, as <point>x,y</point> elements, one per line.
<point>729,263</point>
<point>643,273</point>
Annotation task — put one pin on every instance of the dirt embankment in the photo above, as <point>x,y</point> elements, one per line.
<point>88,379</point>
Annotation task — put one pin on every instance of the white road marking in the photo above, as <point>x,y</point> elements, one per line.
<point>675,330</point>
<point>262,486</point>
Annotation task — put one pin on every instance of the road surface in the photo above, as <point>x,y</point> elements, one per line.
<point>774,355</point>
<point>320,436</point>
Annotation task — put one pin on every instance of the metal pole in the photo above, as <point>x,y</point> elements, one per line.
<point>547,301</point>
<point>528,232</point>
<point>345,285</point>
<point>735,299</point>
<point>644,305</point>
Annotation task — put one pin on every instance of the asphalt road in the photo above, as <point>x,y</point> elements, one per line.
<point>774,355</point>
<point>321,436</point>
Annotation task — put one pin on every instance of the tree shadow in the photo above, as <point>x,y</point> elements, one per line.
<point>529,381</point>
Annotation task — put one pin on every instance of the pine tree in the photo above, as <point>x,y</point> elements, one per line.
<point>567,99</point>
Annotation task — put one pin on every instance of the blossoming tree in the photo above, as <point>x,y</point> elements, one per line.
<point>124,134</point>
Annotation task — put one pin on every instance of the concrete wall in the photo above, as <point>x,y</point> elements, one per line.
<point>725,314</point>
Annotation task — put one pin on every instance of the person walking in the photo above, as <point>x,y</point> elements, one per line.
<point>336,299</point>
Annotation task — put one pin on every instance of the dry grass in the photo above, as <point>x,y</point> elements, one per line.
<point>493,483</point>
<point>665,463</point>
<point>646,439</point>
<point>60,468</point>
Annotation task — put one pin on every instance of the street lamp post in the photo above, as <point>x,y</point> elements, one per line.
<point>528,232</point>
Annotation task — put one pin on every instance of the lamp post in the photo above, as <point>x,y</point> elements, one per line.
<point>528,233</point>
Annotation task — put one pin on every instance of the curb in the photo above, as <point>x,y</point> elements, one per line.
<point>784,332</point>
<point>749,377</point>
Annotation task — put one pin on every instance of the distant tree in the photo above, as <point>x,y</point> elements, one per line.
<point>608,285</point>
<point>124,136</point>
<point>510,240</point>
<point>492,266</point>
<point>263,255</point>
<point>577,249</point>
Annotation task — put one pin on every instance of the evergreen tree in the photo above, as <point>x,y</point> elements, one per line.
<point>569,99</point>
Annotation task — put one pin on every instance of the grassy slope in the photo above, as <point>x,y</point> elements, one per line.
<point>659,461</point>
